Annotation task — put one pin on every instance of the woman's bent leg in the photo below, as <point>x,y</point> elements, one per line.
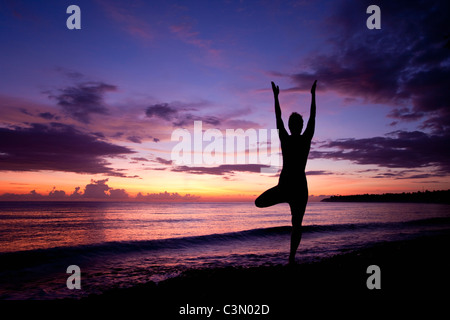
<point>269,198</point>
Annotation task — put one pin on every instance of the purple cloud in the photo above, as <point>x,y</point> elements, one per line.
<point>405,114</point>
<point>163,161</point>
<point>318,173</point>
<point>84,99</point>
<point>222,169</point>
<point>178,115</point>
<point>56,147</point>
<point>399,149</point>
<point>166,196</point>
<point>162,110</point>
<point>48,116</point>
<point>404,64</point>
<point>139,159</point>
<point>230,169</point>
<point>135,139</point>
<point>96,190</point>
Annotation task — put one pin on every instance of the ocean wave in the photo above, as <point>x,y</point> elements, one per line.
<point>19,259</point>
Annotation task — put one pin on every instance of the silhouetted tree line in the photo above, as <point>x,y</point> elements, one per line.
<point>441,196</point>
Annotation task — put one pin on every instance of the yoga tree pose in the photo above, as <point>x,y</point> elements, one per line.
<point>292,185</point>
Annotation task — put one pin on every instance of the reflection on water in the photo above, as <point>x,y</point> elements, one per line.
<point>34,225</point>
<point>121,244</point>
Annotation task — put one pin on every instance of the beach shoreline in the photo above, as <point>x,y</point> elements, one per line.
<point>409,269</point>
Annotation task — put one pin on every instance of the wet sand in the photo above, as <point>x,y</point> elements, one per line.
<point>413,269</point>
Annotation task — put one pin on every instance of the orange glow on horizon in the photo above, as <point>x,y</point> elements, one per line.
<point>239,186</point>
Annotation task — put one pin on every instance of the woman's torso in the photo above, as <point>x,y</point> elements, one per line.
<point>295,150</point>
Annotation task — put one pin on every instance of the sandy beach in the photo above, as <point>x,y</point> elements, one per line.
<point>414,269</point>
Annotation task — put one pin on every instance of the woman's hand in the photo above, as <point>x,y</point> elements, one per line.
<point>313,88</point>
<point>275,89</point>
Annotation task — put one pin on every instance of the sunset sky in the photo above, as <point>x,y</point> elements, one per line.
<point>89,113</point>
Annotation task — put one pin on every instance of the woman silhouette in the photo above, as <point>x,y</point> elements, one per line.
<point>292,185</point>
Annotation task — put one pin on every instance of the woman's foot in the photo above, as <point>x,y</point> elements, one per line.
<point>292,261</point>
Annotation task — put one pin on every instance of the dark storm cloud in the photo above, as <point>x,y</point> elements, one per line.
<point>405,63</point>
<point>178,114</point>
<point>56,147</point>
<point>399,149</point>
<point>84,99</point>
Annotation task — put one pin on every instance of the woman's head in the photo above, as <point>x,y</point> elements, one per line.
<point>295,123</point>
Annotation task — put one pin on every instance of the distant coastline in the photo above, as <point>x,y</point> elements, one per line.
<point>441,196</point>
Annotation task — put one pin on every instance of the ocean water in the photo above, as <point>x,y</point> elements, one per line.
<point>123,244</point>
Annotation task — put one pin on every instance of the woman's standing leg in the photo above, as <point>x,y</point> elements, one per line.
<point>297,211</point>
